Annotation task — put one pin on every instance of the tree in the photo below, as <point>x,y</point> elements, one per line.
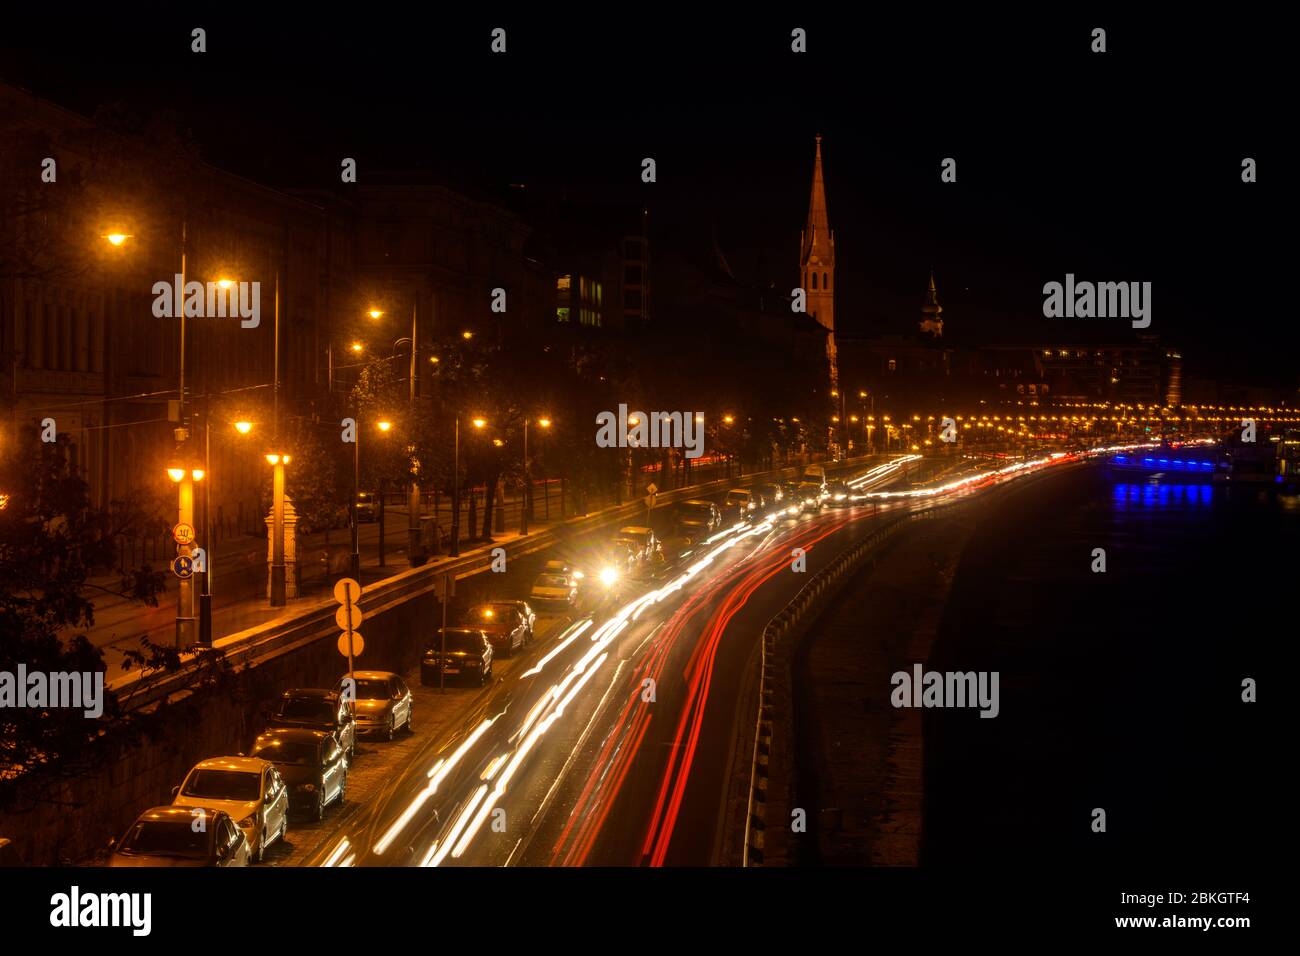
<point>51,539</point>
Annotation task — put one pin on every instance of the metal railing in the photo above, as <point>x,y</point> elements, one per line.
<point>810,598</point>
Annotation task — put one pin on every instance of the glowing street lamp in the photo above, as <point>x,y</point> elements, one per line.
<point>184,477</point>
<point>243,427</point>
<point>479,423</point>
<point>277,460</point>
<point>117,238</point>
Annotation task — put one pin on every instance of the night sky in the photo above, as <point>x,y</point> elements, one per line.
<point>1123,166</point>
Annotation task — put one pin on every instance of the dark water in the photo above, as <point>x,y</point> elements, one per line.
<point>1119,690</point>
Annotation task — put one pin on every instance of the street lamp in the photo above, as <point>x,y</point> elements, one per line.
<point>527,510</point>
<point>415,553</point>
<point>277,461</point>
<point>185,476</point>
<point>355,558</point>
<point>478,423</point>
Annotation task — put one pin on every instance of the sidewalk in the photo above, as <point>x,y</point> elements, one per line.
<point>239,578</point>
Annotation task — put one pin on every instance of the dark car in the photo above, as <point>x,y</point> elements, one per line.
<point>838,494</point>
<point>181,835</point>
<point>468,656</point>
<point>505,626</point>
<point>809,495</point>
<point>316,709</point>
<point>697,519</point>
<point>367,507</point>
<point>312,764</point>
<point>772,495</point>
<point>526,612</point>
<point>740,503</point>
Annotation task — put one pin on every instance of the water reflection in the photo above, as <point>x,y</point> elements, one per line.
<point>1153,494</point>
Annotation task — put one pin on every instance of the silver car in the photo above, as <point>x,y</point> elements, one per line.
<point>381,701</point>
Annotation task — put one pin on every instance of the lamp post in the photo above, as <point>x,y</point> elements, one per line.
<point>523,511</point>
<point>354,562</point>
<point>546,483</point>
<point>277,461</point>
<point>478,423</point>
<point>205,596</point>
<point>186,623</point>
<point>863,395</point>
<point>415,554</point>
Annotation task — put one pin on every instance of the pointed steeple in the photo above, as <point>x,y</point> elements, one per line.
<point>932,311</point>
<point>817,238</point>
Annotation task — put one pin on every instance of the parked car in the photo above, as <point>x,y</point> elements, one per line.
<point>837,493</point>
<point>250,789</point>
<point>505,626</point>
<point>809,495</point>
<point>697,519</point>
<point>552,589</point>
<point>318,709</point>
<point>772,495</point>
<point>641,541</point>
<point>558,566</point>
<point>526,612</point>
<point>381,702</point>
<point>468,655</point>
<point>367,506</point>
<point>740,502</point>
<point>312,763</point>
<point>182,835</point>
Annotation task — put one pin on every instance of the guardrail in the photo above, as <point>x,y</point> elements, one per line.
<point>811,597</point>
<point>304,626</point>
<point>790,620</point>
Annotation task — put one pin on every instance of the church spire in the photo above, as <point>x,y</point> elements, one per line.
<point>817,237</point>
<point>932,311</point>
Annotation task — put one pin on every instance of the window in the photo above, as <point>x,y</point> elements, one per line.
<point>825,283</point>
<point>632,274</point>
<point>814,275</point>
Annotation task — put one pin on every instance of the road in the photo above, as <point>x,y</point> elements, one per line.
<point>612,740</point>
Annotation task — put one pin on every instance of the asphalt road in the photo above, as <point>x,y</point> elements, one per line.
<point>611,740</point>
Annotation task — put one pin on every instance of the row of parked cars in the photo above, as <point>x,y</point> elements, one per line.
<point>228,810</point>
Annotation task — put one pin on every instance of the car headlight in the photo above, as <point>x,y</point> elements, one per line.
<point>578,575</point>
<point>608,576</point>
<point>308,788</point>
<point>249,820</point>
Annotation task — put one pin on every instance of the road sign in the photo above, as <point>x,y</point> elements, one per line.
<point>444,586</point>
<point>345,588</point>
<point>341,617</point>
<point>652,489</point>
<point>183,566</point>
<point>358,645</point>
<point>183,533</point>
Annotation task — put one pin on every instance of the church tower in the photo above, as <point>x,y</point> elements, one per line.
<point>817,265</point>
<point>932,311</point>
